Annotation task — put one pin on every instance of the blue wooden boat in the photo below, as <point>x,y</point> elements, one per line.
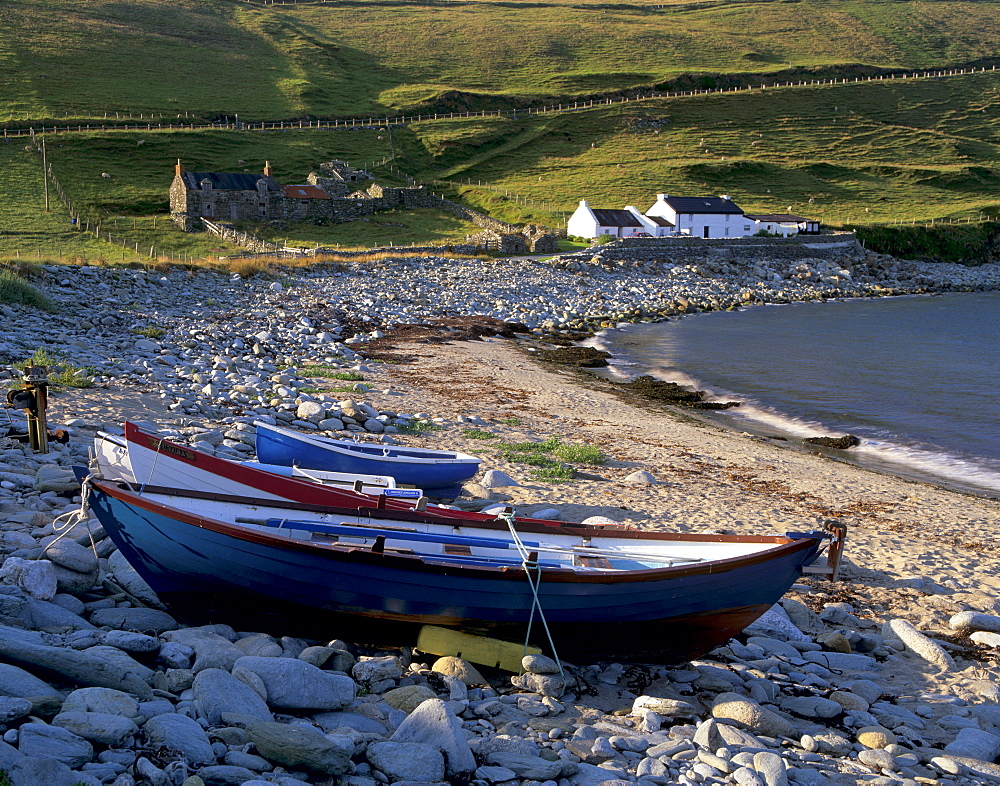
<point>620,593</point>
<point>439,473</point>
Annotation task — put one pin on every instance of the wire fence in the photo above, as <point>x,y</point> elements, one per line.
<point>94,226</point>
<point>180,122</point>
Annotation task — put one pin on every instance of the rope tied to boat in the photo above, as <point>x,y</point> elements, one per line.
<point>535,583</point>
<point>63,523</point>
<point>152,469</point>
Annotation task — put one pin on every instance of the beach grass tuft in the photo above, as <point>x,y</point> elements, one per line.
<point>418,427</point>
<point>14,289</point>
<point>554,474</point>
<point>477,433</point>
<point>150,331</point>
<point>581,454</point>
<point>332,372</point>
<point>61,371</point>
<point>552,457</point>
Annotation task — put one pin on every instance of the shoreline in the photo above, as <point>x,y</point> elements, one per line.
<point>791,435</point>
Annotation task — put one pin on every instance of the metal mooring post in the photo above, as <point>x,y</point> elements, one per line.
<point>36,383</point>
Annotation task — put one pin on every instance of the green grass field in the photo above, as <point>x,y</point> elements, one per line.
<point>871,152</point>
<point>213,58</point>
<point>901,151</point>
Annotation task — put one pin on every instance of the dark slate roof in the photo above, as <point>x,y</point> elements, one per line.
<point>703,205</point>
<point>778,218</point>
<point>660,221</point>
<point>229,181</point>
<point>616,218</point>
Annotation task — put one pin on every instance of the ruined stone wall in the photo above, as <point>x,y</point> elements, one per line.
<point>500,242</point>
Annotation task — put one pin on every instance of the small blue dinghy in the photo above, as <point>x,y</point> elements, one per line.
<point>439,473</point>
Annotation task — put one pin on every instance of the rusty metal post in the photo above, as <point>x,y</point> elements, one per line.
<point>36,382</point>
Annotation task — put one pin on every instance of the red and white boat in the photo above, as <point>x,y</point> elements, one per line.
<point>148,460</point>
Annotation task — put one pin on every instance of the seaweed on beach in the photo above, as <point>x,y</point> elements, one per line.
<point>848,441</point>
<point>672,393</point>
<point>579,357</point>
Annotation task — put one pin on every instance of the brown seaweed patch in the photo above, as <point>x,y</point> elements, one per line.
<point>579,357</point>
<point>672,393</point>
<point>847,441</point>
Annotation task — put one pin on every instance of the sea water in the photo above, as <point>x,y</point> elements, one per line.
<point>913,377</point>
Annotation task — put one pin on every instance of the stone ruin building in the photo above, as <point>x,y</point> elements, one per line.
<point>327,198</point>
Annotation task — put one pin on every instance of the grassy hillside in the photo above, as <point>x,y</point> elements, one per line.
<point>133,204</point>
<point>62,58</point>
<point>872,152</point>
<point>865,153</point>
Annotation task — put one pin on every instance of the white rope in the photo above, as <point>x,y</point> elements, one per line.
<point>64,522</point>
<point>535,584</point>
<point>152,469</point>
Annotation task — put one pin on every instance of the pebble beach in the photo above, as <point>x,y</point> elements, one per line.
<point>888,676</point>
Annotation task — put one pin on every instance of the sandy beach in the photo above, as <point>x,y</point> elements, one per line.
<point>914,550</point>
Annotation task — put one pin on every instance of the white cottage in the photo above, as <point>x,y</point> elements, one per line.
<point>591,222</point>
<point>702,216</point>
<point>784,224</point>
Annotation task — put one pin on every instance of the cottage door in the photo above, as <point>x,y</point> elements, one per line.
<point>234,211</point>
<point>706,231</point>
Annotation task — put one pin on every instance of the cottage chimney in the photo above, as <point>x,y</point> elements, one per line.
<point>725,196</point>
<point>179,168</point>
<point>583,203</point>
<point>662,197</point>
<point>268,172</point>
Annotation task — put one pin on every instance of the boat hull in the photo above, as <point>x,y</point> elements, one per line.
<point>429,470</point>
<point>207,570</point>
<point>176,466</point>
<point>147,459</point>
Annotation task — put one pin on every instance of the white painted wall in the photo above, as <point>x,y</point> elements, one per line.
<point>694,224</point>
<point>776,228</point>
<point>583,223</point>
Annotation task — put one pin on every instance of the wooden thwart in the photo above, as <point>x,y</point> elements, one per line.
<point>481,650</point>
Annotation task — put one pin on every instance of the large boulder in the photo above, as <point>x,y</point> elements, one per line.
<point>291,683</point>
<point>407,761</point>
<point>52,742</point>
<point>100,728</point>
<point>52,477</point>
<point>433,724</point>
<point>133,583</point>
<point>298,747</point>
<point>218,695</point>
<point>212,650</point>
<point>17,682</point>
<point>181,734</point>
<point>102,700</point>
<point>36,577</point>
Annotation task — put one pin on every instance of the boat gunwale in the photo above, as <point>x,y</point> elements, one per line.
<point>324,478</point>
<point>345,446</point>
<point>235,471</point>
<point>424,563</point>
